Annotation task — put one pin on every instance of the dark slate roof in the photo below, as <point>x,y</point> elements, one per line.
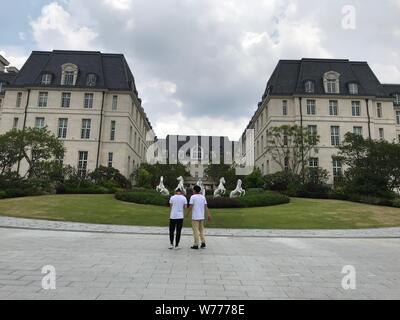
<point>112,70</point>
<point>290,75</point>
<point>6,78</point>
<point>391,89</point>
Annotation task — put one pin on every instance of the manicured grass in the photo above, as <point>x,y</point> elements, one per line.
<point>299,214</point>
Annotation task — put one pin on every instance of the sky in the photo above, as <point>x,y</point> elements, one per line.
<point>201,66</point>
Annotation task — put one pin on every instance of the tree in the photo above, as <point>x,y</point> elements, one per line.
<point>107,176</point>
<point>254,180</point>
<point>372,166</point>
<point>10,145</point>
<point>38,146</point>
<point>216,171</point>
<point>170,172</point>
<point>290,147</point>
<point>143,178</point>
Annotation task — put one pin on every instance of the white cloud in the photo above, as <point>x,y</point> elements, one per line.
<point>56,28</point>
<point>14,56</point>
<point>119,4</point>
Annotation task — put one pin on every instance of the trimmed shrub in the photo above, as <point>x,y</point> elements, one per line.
<point>139,189</point>
<point>255,190</point>
<point>2,194</point>
<point>262,200</point>
<point>143,198</point>
<point>85,189</point>
<point>222,202</point>
<point>396,203</point>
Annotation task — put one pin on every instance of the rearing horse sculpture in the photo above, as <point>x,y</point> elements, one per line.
<point>220,191</point>
<point>239,191</point>
<point>181,186</point>
<point>161,188</point>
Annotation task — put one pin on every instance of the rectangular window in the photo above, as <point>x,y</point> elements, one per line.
<point>115,103</point>
<point>335,137</point>
<point>43,97</point>
<point>284,108</point>
<point>62,128</point>
<point>286,163</point>
<point>381,134</point>
<point>333,108</point>
<point>313,132</point>
<point>397,99</point>
<point>88,103</point>
<point>313,163</point>
<point>112,133</point>
<point>69,78</point>
<point>15,123</point>
<point>39,123</point>
<point>86,126</point>
<point>65,100</point>
<point>379,110</point>
<point>398,117</point>
<point>19,99</point>
<point>337,169</point>
<point>82,163</point>
<point>355,108</point>
<point>110,159</point>
<point>353,88</point>
<point>46,79</point>
<point>358,131</point>
<point>285,140</point>
<point>311,107</point>
<point>331,86</point>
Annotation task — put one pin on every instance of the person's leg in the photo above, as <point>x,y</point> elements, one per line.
<point>201,233</point>
<point>171,231</point>
<point>195,227</point>
<point>179,224</point>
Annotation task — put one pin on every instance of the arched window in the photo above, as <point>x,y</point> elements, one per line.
<point>331,82</point>
<point>309,86</point>
<point>69,74</point>
<point>91,80</point>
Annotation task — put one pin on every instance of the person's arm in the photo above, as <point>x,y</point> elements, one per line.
<point>208,212</point>
<point>189,210</point>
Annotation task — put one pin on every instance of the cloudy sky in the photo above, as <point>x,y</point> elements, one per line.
<point>201,66</point>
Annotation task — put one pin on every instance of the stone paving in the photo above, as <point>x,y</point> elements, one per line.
<point>72,226</point>
<point>92,265</point>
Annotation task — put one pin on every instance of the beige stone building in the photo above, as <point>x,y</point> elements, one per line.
<point>88,100</point>
<point>7,75</point>
<point>330,98</point>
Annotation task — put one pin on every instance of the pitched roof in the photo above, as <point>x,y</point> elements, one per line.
<point>112,70</point>
<point>6,78</point>
<point>290,75</point>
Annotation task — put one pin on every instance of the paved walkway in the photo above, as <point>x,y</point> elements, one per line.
<point>92,265</point>
<point>10,222</point>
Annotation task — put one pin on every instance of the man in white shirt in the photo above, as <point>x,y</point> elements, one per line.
<point>178,204</point>
<point>198,207</point>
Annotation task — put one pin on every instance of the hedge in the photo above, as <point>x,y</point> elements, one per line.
<point>253,200</point>
<point>143,198</point>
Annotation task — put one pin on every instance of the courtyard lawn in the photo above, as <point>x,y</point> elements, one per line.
<point>299,214</point>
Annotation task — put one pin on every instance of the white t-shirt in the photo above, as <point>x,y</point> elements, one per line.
<point>178,203</point>
<point>198,201</point>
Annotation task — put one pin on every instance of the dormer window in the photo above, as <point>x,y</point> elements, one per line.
<point>91,80</point>
<point>353,88</point>
<point>309,86</point>
<point>69,74</point>
<point>397,99</point>
<point>47,78</point>
<point>331,82</point>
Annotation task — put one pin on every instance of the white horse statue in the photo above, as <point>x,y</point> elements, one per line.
<point>181,185</point>
<point>239,191</point>
<point>200,184</point>
<point>161,188</point>
<point>220,191</point>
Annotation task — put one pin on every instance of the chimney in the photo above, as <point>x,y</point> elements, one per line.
<point>12,70</point>
<point>3,63</point>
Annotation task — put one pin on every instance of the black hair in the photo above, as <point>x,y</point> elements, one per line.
<point>179,190</point>
<point>197,189</point>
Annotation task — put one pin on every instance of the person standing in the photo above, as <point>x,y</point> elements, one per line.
<point>198,207</point>
<point>178,204</point>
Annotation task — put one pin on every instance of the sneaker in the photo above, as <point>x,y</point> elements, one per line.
<point>195,248</point>
<point>203,245</point>
<point>171,247</point>
<point>177,248</point>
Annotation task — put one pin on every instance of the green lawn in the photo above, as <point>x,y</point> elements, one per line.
<point>299,214</point>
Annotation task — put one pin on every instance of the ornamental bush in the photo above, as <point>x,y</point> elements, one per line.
<point>143,198</point>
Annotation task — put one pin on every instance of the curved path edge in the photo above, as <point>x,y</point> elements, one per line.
<point>33,224</point>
